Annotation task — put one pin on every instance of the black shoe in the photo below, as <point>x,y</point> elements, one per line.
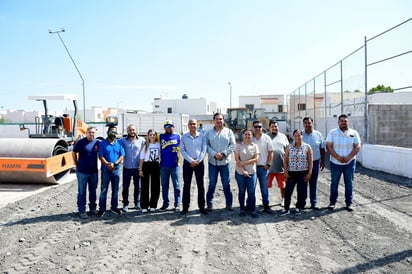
<point>267,210</point>
<point>313,207</point>
<point>163,208</point>
<point>230,208</point>
<point>331,206</point>
<point>116,211</point>
<point>203,211</point>
<point>349,208</point>
<point>183,212</point>
<point>284,213</point>
<point>254,214</point>
<point>242,213</point>
<point>100,213</point>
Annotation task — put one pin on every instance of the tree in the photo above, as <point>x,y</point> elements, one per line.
<point>380,89</point>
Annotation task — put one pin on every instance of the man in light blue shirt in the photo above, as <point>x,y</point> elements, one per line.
<point>193,149</point>
<point>315,139</point>
<point>132,145</point>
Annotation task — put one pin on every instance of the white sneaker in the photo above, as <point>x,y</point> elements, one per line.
<point>152,209</point>
<point>144,210</point>
<point>125,209</point>
<point>282,203</point>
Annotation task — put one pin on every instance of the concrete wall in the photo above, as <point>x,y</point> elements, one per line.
<point>394,160</point>
<point>390,124</point>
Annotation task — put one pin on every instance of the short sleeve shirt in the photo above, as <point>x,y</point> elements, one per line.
<point>247,152</point>
<point>279,142</point>
<point>343,143</point>
<point>316,142</point>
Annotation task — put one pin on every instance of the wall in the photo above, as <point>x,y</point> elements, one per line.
<point>390,124</point>
<point>394,160</point>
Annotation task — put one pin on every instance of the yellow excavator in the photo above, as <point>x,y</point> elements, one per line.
<point>44,157</point>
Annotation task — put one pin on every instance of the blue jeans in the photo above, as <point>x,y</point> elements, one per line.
<point>165,173</point>
<point>262,176</point>
<point>84,181</point>
<point>108,177</point>
<point>225,178</point>
<point>313,183</point>
<point>246,184</point>
<point>348,173</point>
<point>128,174</point>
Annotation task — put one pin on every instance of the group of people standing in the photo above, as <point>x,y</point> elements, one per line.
<point>260,157</point>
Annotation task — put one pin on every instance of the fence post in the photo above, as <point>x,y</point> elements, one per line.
<point>366,94</point>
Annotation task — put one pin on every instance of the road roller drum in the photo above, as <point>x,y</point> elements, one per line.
<point>32,160</point>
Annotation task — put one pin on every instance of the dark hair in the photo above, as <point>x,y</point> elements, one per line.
<point>246,129</point>
<point>343,116</point>
<point>307,119</point>
<point>256,122</point>
<point>273,122</point>
<point>297,130</point>
<point>111,126</point>
<point>216,114</point>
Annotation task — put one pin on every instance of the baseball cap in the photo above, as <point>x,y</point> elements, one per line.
<point>168,123</point>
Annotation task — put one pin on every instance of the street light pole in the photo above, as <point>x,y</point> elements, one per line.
<point>78,71</point>
<point>230,86</point>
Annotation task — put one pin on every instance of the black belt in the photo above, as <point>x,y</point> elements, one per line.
<point>260,166</point>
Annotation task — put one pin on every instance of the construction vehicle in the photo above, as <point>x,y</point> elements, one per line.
<point>241,118</point>
<point>44,157</point>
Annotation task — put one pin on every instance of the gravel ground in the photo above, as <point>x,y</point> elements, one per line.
<point>43,234</point>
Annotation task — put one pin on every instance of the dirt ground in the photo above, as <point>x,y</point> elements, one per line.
<point>43,234</point>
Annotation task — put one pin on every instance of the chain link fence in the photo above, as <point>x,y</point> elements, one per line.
<point>384,59</point>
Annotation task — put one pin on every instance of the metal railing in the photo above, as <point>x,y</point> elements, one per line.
<point>343,87</point>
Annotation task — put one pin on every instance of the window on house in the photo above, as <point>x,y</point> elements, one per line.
<point>280,108</point>
<point>157,106</point>
<point>301,106</point>
<point>169,110</point>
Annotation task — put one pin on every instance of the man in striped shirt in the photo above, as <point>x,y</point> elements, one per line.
<point>343,143</point>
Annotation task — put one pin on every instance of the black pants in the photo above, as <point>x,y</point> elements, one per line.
<point>187,179</point>
<point>296,178</point>
<point>150,181</point>
<point>128,175</point>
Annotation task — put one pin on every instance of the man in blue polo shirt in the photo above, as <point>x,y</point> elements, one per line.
<point>111,155</point>
<point>315,139</point>
<point>169,164</point>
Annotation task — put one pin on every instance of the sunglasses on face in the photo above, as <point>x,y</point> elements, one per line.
<point>257,126</point>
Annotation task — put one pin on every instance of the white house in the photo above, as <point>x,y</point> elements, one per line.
<point>195,106</point>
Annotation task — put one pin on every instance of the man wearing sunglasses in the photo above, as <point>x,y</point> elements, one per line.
<point>264,143</point>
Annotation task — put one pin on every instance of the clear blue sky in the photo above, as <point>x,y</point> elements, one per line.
<point>131,51</point>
